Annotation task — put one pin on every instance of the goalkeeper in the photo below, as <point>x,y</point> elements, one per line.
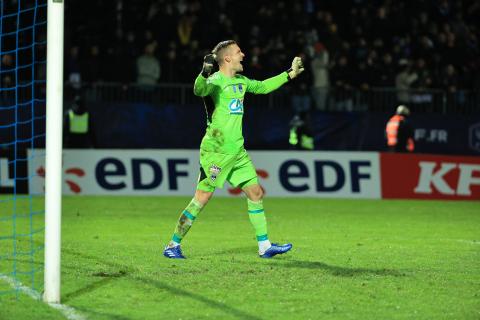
<point>222,153</point>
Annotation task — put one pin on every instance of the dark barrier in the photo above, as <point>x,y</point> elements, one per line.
<point>130,125</point>
<point>13,171</point>
<point>22,124</point>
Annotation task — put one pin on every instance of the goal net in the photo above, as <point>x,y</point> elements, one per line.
<point>23,33</point>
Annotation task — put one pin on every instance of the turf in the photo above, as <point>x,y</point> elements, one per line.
<point>352,259</point>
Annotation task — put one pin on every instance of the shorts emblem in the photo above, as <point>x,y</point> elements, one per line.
<point>214,171</point>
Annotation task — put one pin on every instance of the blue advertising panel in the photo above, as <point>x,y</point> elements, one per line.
<point>129,125</point>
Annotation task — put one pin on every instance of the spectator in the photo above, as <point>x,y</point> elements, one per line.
<point>450,80</point>
<point>170,67</point>
<point>256,69</point>
<point>342,77</point>
<point>73,68</point>
<point>385,72</point>
<point>450,84</point>
<point>362,80</point>
<point>321,82</point>
<point>7,78</point>
<point>8,71</point>
<point>301,100</point>
<point>403,81</point>
<point>128,54</point>
<point>441,33</point>
<point>185,28</point>
<point>148,67</point>
<point>92,69</point>
<point>421,97</point>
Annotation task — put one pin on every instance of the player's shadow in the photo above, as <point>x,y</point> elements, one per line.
<point>115,272</point>
<point>209,302</point>
<point>335,270</point>
<point>285,262</point>
<point>108,277</point>
<point>232,251</point>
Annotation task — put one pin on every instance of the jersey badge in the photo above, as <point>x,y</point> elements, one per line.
<point>214,171</point>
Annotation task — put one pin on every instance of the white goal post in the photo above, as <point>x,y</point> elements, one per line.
<point>53,167</point>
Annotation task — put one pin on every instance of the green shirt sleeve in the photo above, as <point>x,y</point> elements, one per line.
<point>203,86</point>
<point>268,85</point>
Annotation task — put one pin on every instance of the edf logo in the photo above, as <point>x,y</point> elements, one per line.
<point>111,174</point>
<point>354,177</point>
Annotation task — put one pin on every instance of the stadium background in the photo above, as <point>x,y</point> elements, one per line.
<point>356,53</point>
<point>354,258</point>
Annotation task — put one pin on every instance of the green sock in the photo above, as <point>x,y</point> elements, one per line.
<point>187,217</point>
<point>257,218</point>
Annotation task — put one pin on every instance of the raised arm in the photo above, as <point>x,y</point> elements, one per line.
<point>202,86</point>
<point>273,83</point>
<point>268,85</point>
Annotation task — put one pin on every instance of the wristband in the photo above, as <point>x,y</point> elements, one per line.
<point>288,74</point>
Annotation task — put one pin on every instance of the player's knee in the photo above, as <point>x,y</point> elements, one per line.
<point>255,192</point>
<point>203,196</point>
<point>259,194</point>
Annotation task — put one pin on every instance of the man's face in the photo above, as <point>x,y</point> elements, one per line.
<point>235,57</point>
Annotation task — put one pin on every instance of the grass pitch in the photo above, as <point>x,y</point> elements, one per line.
<point>352,259</point>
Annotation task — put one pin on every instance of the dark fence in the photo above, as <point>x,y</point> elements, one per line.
<point>375,99</point>
<point>170,116</point>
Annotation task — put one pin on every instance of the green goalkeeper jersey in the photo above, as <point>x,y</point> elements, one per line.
<point>224,104</point>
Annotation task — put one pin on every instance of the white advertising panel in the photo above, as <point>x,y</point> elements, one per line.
<point>175,172</point>
<point>123,172</point>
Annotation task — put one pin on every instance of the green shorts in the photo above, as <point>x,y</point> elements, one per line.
<point>216,168</point>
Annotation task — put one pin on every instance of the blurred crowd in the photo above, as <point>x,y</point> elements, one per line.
<point>355,43</point>
<point>346,44</point>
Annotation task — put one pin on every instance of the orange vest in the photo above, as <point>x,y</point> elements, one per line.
<point>392,129</point>
<point>392,132</point>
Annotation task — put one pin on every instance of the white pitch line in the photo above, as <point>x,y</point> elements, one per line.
<point>69,312</point>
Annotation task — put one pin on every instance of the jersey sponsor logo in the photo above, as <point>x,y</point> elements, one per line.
<point>236,106</point>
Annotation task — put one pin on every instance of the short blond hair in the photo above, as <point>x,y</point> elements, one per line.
<point>219,50</point>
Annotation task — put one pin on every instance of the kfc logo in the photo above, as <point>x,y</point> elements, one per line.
<point>408,176</point>
<point>429,178</point>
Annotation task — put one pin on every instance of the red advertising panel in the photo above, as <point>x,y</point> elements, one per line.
<point>430,176</point>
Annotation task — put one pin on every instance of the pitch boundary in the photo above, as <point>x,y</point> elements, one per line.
<point>69,312</point>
